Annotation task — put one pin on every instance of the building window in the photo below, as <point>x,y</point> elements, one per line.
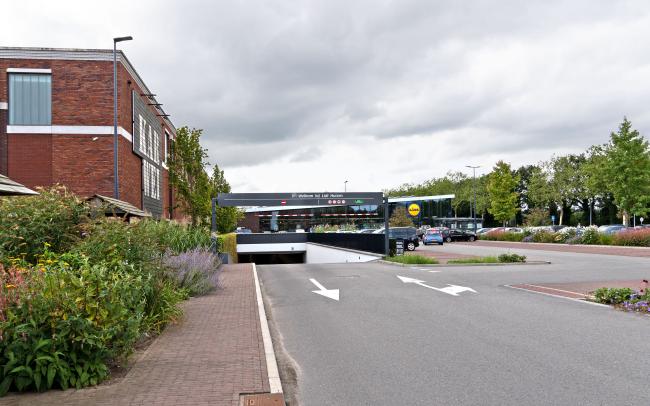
<point>30,99</point>
<point>166,146</point>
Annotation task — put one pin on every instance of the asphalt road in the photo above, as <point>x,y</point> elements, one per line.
<point>392,343</point>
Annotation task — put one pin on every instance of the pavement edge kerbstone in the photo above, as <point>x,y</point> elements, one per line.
<point>275,384</point>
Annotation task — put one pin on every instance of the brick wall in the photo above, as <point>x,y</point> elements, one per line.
<point>82,95</point>
<point>130,174</point>
<point>30,159</point>
<point>83,165</point>
<point>3,141</point>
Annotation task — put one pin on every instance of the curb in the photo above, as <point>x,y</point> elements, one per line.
<point>275,385</point>
<point>560,244</point>
<point>457,265</point>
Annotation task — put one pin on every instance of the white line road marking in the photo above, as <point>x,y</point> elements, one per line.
<point>561,297</point>
<point>453,290</point>
<point>330,293</point>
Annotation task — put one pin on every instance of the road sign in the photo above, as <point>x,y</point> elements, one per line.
<point>641,218</point>
<point>399,247</point>
<point>414,209</point>
<point>299,199</point>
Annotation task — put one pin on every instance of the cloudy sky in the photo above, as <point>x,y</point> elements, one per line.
<point>303,95</point>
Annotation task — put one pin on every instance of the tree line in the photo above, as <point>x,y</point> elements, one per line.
<point>605,184</point>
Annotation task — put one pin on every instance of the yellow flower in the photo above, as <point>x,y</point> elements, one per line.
<point>10,286</point>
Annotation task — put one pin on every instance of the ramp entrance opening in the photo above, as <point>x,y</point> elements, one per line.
<point>320,199</point>
<point>266,259</point>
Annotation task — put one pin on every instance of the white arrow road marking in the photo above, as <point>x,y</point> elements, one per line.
<point>453,290</point>
<point>331,293</point>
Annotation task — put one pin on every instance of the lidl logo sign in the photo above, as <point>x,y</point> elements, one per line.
<point>414,209</point>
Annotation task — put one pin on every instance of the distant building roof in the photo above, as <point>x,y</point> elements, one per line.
<point>10,188</point>
<point>119,207</point>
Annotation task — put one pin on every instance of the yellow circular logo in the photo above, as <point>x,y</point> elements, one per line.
<point>414,209</point>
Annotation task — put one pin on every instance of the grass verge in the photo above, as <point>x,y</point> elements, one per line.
<point>503,258</point>
<point>412,259</point>
<point>479,260</point>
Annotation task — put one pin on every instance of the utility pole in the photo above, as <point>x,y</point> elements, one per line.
<point>116,182</point>
<point>474,192</point>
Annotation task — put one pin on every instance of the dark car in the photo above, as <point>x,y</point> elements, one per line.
<point>459,235</point>
<point>408,234</point>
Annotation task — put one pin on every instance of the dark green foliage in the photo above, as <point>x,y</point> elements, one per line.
<point>54,217</point>
<point>228,243</point>
<point>612,295</point>
<point>512,258</point>
<point>73,305</point>
<point>65,321</point>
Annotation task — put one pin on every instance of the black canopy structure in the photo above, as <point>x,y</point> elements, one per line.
<point>300,199</point>
<point>9,187</point>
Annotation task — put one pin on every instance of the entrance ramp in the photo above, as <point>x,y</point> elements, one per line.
<point>311,248</point>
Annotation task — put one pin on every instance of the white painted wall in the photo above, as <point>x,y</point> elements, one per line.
<point>321,254</point>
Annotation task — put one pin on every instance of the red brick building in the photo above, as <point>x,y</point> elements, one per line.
<point>56,126</point>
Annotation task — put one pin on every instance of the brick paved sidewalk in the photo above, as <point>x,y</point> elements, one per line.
<point>209,358</point>
<point>581,249</point>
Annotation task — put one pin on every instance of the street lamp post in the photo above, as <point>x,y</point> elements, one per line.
<point>116,184</point>
<point>345,186</point>
<point>474,192</point>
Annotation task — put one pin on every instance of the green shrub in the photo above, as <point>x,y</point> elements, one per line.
<point>412,259</point>
<point>228,243</point>
<point>590,236</point>
<point>612,295</point>
<point>503,236</point>
<point>162,299</point>
<point>66,321</point>
<point>54,217</point>
<point>512,258</point>
<point>544,236</point>
<point>605,239</point>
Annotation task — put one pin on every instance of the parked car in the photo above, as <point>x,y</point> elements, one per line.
<point>367,231</point>
<point>432,237</point>
<point>243,230</point>
<point>612,229</point>
<point>460,235</point>
<point>408,234</point>
<point>484,230</point>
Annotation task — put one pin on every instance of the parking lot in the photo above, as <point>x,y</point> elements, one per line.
<point>458,335</point>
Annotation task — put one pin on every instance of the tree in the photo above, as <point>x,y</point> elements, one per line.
<point>627,170</point>
<point>400,218</point>
<point>227,217</point>
<point>503,197</point>
<point>187,163</point>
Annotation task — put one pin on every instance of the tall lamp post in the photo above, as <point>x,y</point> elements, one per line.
<point>116,184</point>
<point>474,192</point>
<point>345,186</point>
